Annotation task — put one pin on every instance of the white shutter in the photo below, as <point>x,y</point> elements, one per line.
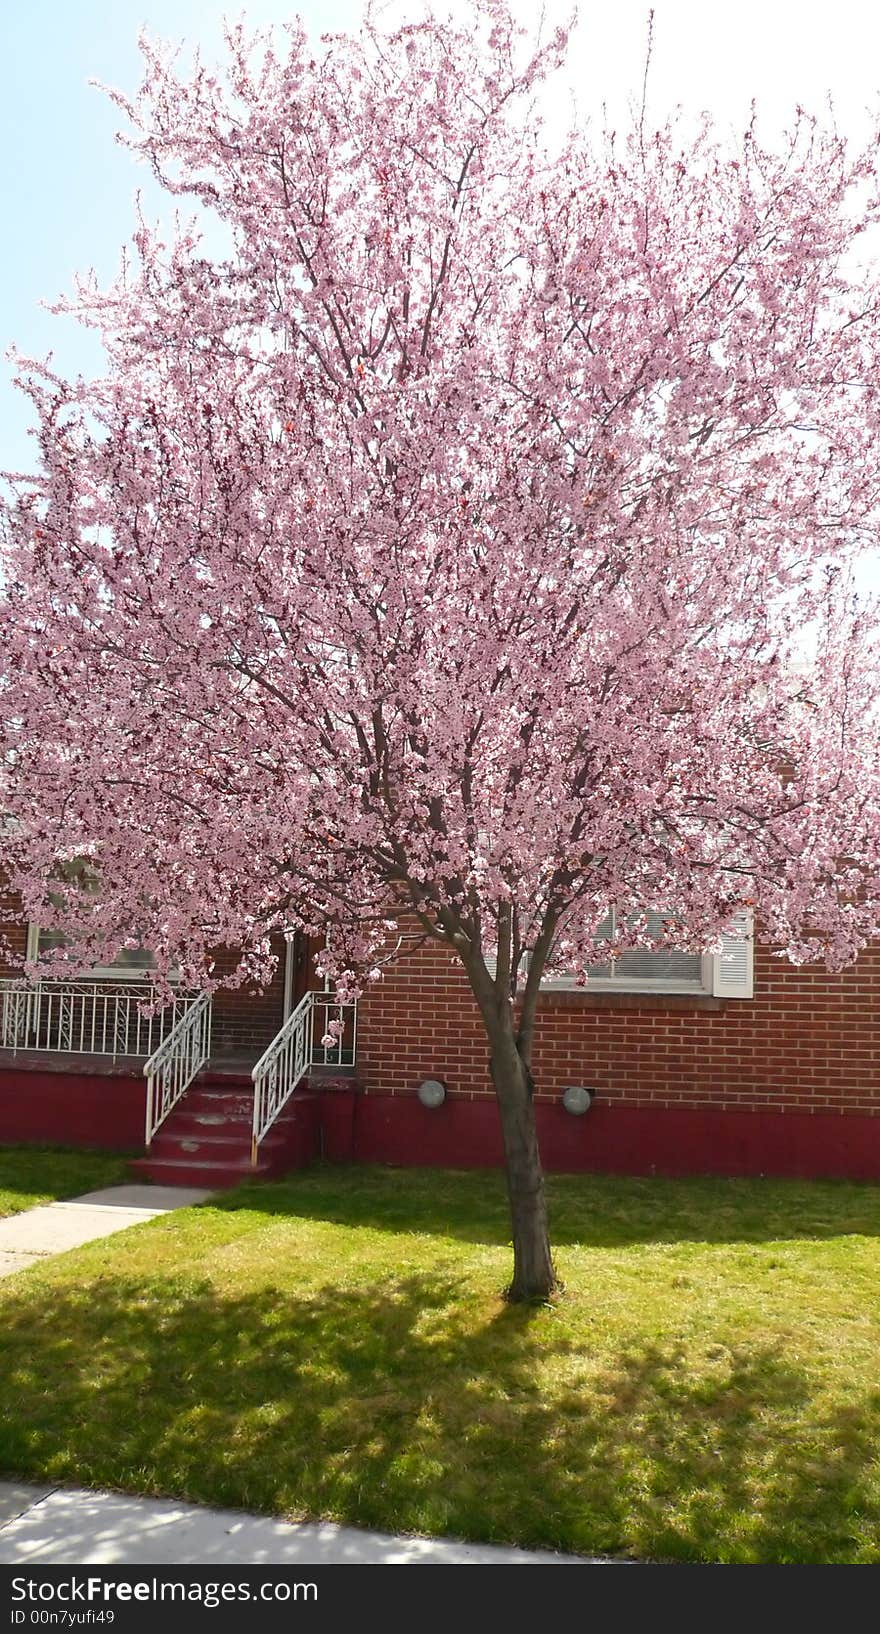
<point>733,967</point>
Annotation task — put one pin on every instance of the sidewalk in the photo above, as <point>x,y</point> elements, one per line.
<point>52,1228</point>
<point>69,1527</point>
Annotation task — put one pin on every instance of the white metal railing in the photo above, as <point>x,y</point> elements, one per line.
<point>85,1018</point>
<point>173,1066</point>
<point>298,1046</point>
<point>280,1069</point>
<point>336,1021</point>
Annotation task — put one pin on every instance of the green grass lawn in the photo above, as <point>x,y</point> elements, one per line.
<point>336,1346</point>
<point>43,1174</point>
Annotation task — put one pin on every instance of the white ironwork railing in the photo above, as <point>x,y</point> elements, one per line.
<point>173,1066</point>
<point>298,1046</point>
<point>280,1069</point>
<point>85,1018</point>
<point>336,1021</point>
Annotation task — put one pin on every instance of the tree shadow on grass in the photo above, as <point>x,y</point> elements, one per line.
<point>404,1408</point>
<point>599,1211</point>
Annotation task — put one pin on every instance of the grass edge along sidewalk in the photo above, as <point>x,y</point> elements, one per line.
<point>31,1175</point>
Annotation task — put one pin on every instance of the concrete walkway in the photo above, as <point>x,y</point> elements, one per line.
<point>54,1227</point>
<point>53,1526</point>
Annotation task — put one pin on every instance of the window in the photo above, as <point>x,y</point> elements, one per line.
<point>130,964</point>
<point>727,974</point>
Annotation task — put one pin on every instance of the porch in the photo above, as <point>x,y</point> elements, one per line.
<point>96,1061</point>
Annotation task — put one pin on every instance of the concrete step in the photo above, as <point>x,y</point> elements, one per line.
<point>207,1149</point>
<point>225,1102</point>
<point>206,1140</point>
<point>220,1118</point>
<point>191,1172</point>
<point>216,1078</point>
<point>171,1140</point>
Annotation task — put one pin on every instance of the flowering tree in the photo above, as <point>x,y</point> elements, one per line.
<point>440,544</point>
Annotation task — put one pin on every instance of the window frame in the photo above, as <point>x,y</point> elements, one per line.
<point>714,981</point>
<point>112,973</point>
<point>637,984</point>
<point>145,974</point>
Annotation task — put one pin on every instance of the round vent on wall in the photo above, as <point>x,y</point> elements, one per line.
<point>577,1100</point>
<point>432,1093</point>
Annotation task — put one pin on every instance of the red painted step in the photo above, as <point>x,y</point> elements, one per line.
<point>206,1140</point>
<point>220,1116</point>
<point>212,1176</point>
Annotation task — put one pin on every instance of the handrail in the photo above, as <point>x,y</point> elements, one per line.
<point>172,1067</point>
<point>294,1050</point>
<point>280,1068</point>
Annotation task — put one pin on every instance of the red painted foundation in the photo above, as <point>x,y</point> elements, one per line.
<point>465,1134</point>
<point>344,1125</point>
<point>64,1108</point>
<point>646,1141</point>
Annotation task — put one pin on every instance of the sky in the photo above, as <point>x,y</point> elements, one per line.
<point>67,188</point>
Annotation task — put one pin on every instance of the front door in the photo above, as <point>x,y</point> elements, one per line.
<point>298,972</point>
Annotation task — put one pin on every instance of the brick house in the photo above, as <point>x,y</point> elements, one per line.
<point>742,1065</point>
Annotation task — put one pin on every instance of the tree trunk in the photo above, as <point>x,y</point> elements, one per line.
<point>534,1278</point>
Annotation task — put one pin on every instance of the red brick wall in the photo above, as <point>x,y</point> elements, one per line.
<point>246,1019</point>
<point>14,934</point>
<point>807,1042</point>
